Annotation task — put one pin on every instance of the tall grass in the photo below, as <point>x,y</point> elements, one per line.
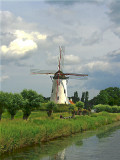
<point>18,133</point>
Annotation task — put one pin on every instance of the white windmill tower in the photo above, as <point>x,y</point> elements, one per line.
<point>59,86</point>
<point>59,80</point>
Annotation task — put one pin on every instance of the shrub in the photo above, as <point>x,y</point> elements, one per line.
<point>107,108</point>
<point>51,106</point>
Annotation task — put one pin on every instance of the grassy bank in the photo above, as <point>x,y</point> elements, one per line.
<point>18,133</point>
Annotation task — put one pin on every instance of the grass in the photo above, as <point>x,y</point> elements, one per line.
<point>18,133</point>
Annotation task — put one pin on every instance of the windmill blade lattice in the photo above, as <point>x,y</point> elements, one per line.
<point>37,71</point>
<point>61,58</point>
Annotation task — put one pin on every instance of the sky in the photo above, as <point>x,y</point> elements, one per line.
<point>32,31</point>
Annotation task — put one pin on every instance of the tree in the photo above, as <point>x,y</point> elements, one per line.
<point>75,98</point>
<point>51,106</point>
<point>86,99</point>
<point>72,109</point>
<point>14,101</point>
<point>3,100</point>
<point>79,105</point>
<point>32,100</point>
<point>83,97</point>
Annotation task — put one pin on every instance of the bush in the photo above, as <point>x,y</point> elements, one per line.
<point>51,106</point>
<point>107,108</point>
<point>62,108</point>
<point>115,109</point>
<point>80,105</point>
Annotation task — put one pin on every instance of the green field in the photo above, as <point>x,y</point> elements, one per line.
<point>18,133</point>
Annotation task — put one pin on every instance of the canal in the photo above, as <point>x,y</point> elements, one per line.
<point>100,144</point>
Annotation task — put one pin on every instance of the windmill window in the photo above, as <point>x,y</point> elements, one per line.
<point>57,98</point>
<point>64,91</point>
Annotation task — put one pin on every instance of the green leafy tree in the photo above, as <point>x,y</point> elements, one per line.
<point>75,98</point>
<point>3,101</point>
<point>80,106</point>
<point>32,100</point>
<point>109,96</point>
<point>51,106</point>
<point>72,109</point>
<point>14,102</point>
<point>86,100</point>
<point>103,97</point>
<point>83,97</point>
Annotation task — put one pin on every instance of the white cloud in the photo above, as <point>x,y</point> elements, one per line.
<point>98,66</point>
<point>33,35</point>
<point>18,47</point>
<point>68,59</point>
<point>72,59</point>
<point>16,41</point>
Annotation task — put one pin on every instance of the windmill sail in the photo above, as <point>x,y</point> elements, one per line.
<point>37,71</point>
<point>59,79</point>
<point>61,58</point>
<point>75,74</point>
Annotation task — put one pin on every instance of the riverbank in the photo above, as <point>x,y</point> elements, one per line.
<point>18,133</point>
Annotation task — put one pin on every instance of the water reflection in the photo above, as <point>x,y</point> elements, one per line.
<point>106,132</point>
<point>91,145</point>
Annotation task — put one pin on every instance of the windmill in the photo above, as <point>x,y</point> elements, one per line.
<point>59,80</point>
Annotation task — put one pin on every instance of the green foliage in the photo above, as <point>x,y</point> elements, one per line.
<point>115,109</point>
<point>32,100</point>
<point>72,108</point>
<point>107,108</point>
<point>50,106</point>
<point>86,100</point>
<point>62,108</point>
<point>75,98</point>
<point>13,103</point>
<point>110,96</point>
<point>83,97</point>
<point>3,101</point>
<point>79,105</point>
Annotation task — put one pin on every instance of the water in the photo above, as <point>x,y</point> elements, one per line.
<point>103,144</point>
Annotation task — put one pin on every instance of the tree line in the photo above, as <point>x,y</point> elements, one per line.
<point>109,96</point>
<point>27,101</point>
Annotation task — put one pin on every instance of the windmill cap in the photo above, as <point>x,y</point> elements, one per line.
<point>59,75</point>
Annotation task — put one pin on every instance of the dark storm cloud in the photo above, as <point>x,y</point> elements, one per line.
<point>115,11</point>
<point>103,80</point>
<point>62,2</point>
<point>5,60</point>
<point>102,72</point>
<point>71,2</point>
<point>114,56</point>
